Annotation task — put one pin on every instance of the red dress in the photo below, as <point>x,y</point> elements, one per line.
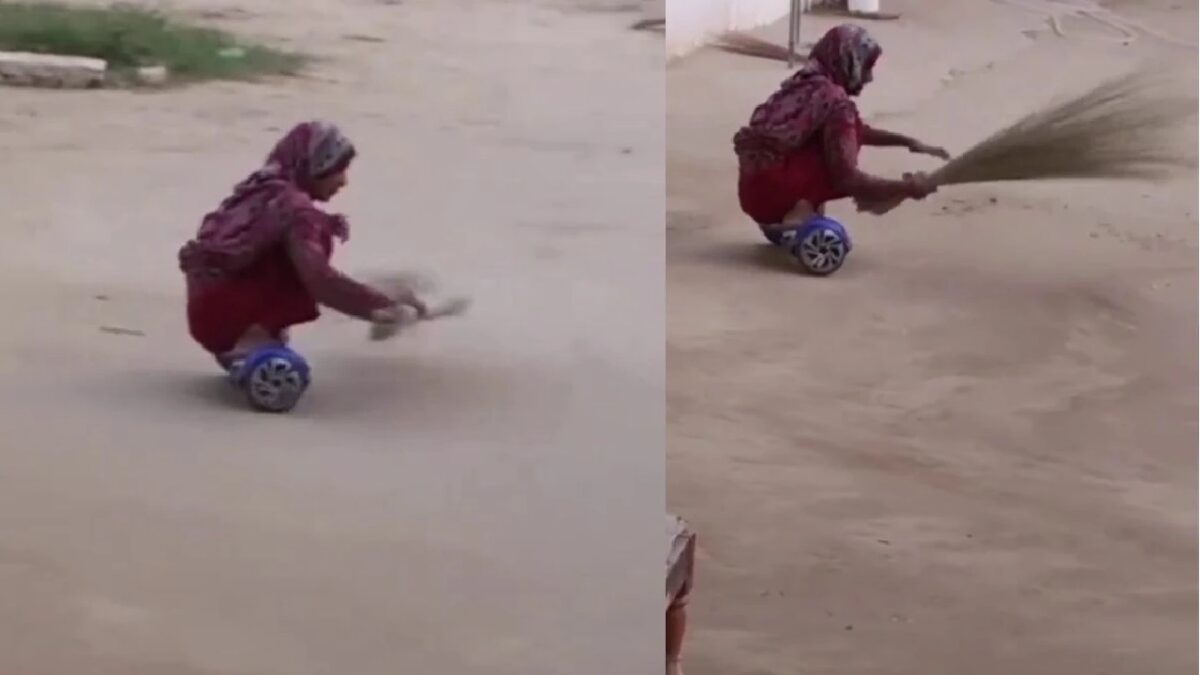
<point>269,294</point>
<point>768,193</point>
<point>282,287</point>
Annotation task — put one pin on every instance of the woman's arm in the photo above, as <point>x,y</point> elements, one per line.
<point>885,139</point>
<point>328,286</point>
<point>891,139</point>
<point>841,158</point>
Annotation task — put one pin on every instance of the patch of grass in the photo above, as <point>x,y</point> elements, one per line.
<point>128,37</point>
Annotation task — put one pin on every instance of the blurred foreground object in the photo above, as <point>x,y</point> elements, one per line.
<point>681,562</point>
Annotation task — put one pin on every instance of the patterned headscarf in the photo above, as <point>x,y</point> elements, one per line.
<point>837,67</point>
<point>309,151</point>
<point>845,54</point>
<point>256,216</point>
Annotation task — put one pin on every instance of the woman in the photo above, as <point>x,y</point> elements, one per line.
<point>801,146</point>
<point>260,262</point>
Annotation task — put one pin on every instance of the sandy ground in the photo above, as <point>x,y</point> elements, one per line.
<point>973,450</point>
<point>470,499</point>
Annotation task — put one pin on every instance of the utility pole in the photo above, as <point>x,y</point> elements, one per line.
<point>794,30</point>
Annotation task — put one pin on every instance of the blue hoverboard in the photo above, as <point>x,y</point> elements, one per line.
<point>273,378</point>
<point>820,245</point>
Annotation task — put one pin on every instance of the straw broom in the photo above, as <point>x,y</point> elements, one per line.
<point>1118,129</point>
<point>399,284</point>
<point>736,42</point>
<point>441,310</point>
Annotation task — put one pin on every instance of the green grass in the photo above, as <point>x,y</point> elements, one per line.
<point>128,37</point>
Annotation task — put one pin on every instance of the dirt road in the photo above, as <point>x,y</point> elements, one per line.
<point>443,504</point>
<point>973,450</point>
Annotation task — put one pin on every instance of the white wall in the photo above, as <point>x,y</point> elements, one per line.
<point>691,22</point>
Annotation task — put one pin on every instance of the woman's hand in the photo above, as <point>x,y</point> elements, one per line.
<point>407,309</point>
<point>408,298</point>
<point>387,322</point>
<point>919,148</point>
<point>920,185</point>
<point>912,186</point>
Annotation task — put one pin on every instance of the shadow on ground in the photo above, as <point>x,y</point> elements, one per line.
<point>767,258</point>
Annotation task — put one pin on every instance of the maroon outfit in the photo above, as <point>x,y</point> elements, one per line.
<point>803,142</point>
<point>262,258</point>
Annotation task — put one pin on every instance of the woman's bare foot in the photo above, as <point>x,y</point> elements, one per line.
<point>799,215</point>
<point>256,337</point>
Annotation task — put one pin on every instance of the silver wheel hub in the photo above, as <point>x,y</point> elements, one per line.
<point>822,250</point>
<point>276,383</point>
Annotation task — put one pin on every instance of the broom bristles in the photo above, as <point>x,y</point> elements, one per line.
<point>1116,130</point>
<point>1119,129</point>
<point>748,45</point>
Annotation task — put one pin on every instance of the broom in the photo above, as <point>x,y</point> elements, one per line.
<point>748,45</point>
<point>399,284</point>
<point>1116,130</point>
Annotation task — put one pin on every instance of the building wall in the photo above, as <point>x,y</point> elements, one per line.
<point>692,22</point>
